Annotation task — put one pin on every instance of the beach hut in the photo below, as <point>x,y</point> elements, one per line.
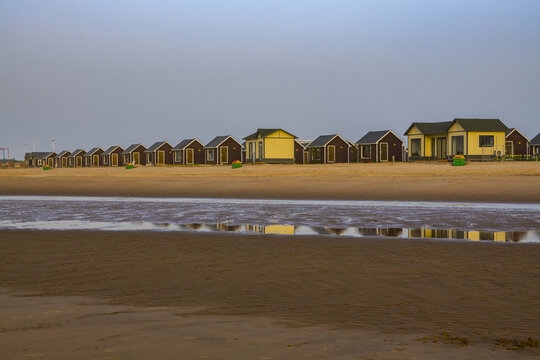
<point>189,152</point>
<point>112,156</point>
<point>353,152</point>
<point>61,160</point>
<point>223,150</point>
<point>328,149</point>
<point>534,145</point>
<point>273,146</point>
<point>244,154</point>
<point>93,157</point>
<point>39,158</point>
<point>134,154</point>
<point>380,146</point>
<point>516,143</point>
<point>76,158</point>
<point>301,154</point>
<point>476,139</point>
<point>160,153</point>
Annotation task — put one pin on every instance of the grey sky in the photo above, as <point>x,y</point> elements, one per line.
<point>101,73</point>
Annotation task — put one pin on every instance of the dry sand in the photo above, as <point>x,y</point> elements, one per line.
<point>227,296</point>
<point>434,181</point>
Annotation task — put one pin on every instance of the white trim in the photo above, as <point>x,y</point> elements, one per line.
<point>93,158</point>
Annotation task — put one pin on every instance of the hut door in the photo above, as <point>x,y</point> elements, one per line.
<point>79,161</point>
<point>384,152</point>
<point>189,156</point>
<point>441,148</point>
<point>136,157</point>
<point>64,162</point>
<point>95,159</point>
<point>161,157</point>
<point>51,162</point>
<point>224,154</point>
<point>509,148</point>
<point>114,161</point>
<point>331,153</point>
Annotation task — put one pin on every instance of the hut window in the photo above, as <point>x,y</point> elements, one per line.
<point>178,156</point>
<point>415,147</point>
<point>486,140</point>
<point>210,156</point>
<point>87,161</point>
<point>105,160</point>
<point>316,154</point>
<point>366,151</point>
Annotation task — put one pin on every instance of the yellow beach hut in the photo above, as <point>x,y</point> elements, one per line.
<point>275,146</point>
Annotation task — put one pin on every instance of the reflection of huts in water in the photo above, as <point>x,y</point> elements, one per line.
<point>61,160</point>
<point>335,231</point>
<point>368,231</point>
<point>515,236</point>
<point>390,231</point>
<point>193,226</point>
<point>76,159</point>
<point>227,227</point>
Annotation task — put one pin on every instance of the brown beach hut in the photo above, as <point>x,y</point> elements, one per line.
<point>380,146</point>
<point>223,150</point>
<point>93,157</point>
<point>112,156</point>
<point>134,154</point>
<point>38,159</point>
<point>516,143</point>
<point>534,145</point>
<point>160,153</point>
<point>353,152</point>
<point>188,152</point>
<point>61,160</point>
<point>328,149</point>
<point>76,158</point>
<point>300,151</point>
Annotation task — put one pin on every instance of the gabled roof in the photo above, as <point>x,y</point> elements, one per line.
<point>185,143</point>
<point>494,125</point>
<point>131,148</point>
<point>373,137</point>
<point>156,146</point>
<point>264,133</point>
<point>218,140</point>
<point>510,131</point>
<point>352,144</point>
<point>323,140</point>
<point>40,154</point>
<point>91,152</point>
<point>535,140</point>
<point>110,150</point>
<point>76,152</point>
<point>62,153</point>
<point>431,127</point>
<point>304,143</point>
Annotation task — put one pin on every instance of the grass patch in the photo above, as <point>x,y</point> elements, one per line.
<point>446,338</point>
<point>518,344</point>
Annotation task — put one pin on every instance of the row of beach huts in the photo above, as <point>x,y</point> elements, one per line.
<point>475,139</point>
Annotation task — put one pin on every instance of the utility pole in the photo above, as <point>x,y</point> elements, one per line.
<point>34,143</point>
<point>52,144</point>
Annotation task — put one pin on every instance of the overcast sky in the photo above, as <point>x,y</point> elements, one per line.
<point>100,73</point>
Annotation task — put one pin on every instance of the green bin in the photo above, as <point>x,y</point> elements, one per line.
<point>236,165</point>
<point>459,161</point>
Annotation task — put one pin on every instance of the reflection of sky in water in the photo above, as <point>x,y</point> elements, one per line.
<point>345,218</point>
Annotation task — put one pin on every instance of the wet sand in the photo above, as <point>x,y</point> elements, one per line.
<point>371,298</point>
<point>481,182</point>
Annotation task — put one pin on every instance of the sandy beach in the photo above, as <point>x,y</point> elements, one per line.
<point>90,292</point>
<point>481,182</point>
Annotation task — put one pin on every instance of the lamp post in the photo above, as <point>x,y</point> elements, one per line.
<point>52,144</point>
